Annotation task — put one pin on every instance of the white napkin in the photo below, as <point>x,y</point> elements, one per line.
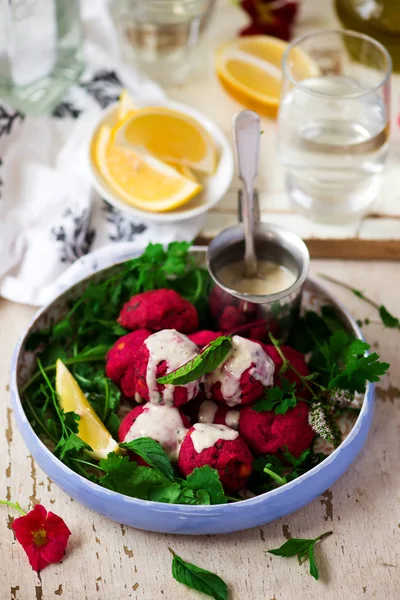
<point>49,214</point>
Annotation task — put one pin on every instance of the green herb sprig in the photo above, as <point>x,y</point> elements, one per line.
<point>387,319</point>
<point>198,579</point>
<point>303,549</point>
<point>205,362</point>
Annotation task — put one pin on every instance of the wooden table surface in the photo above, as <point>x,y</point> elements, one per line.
<point>104,560</point>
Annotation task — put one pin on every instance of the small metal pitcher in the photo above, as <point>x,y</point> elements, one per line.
<point>274,312</point>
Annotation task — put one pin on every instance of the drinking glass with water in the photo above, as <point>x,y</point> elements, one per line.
<point>334,123</point>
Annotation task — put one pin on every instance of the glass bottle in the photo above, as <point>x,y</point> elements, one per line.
<point>40,52</point>
<point>379,19</point>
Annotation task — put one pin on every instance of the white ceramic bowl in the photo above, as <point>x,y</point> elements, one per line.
<point>215,186</point>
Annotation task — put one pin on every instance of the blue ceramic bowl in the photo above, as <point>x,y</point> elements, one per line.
<point>172,518</point>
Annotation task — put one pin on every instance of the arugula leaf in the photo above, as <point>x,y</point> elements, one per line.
<point>278,398</point>
<point>198,579</point>
<point>209,359</point>
<point>152,453</point>
<point>206,479</point>
<point>302,548</point>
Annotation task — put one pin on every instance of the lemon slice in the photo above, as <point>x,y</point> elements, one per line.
<point>141,179</point>
<point>125,106</point>
<point>91,429</point>
<point>185,171</point>
<point>249,68</point>
<point>171,136</point>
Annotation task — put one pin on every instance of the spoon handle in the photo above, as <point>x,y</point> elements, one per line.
<point>246,134</point>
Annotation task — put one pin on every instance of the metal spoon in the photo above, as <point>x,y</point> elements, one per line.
<point>246,135</point>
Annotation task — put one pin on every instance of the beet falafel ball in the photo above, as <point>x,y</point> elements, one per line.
<point>121,359</point>
<point>159,309</point>
<point>222,449</point>
<point>161,353</point>
<point>268,433</point>
<point>296,359</point>
<point>209,412</point>
<point>204,337</point>
<point>243,376</point>
<point>163,423</point>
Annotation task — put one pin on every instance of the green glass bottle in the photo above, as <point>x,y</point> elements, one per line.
<point>379,19</point>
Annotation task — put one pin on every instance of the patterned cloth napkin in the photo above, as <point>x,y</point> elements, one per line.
<point>49,214</point>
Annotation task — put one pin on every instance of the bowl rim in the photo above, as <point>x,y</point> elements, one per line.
<point>169,216</point>
<point>190,510</point>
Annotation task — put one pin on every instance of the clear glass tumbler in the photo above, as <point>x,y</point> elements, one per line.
<point>40,52</point>
<point>334,123</point>
<point>161,36</point>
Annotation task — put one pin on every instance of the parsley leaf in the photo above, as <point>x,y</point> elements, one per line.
<point>198,579</point>
<point>152,453</point>
<point>303,548</point>
<point>209,359</point>
<point>206,479</point>
<point>278,398</point>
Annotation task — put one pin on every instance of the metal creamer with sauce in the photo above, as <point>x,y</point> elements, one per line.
<point>271,278</point>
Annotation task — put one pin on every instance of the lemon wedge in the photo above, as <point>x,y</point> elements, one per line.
<point>125,106</point>
<point>141,179</point>
<point>169,135</point>
<point>249,69</point>
<point>91,429</point>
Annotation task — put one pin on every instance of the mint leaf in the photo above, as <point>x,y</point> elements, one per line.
<point>209,359</point>
<point>152,453</point>
<point>302,548</point>
<point>198,579</point>
<point>206,479</point>
<point>388,319</point>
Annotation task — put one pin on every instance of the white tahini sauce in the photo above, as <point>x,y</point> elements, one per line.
<point>176,349</point>
<point>232,419</point>
<point>207,411</point>
<point>271,278</point>
<point>243,355</point>
<point>205,435</point>
<point>162,423</point>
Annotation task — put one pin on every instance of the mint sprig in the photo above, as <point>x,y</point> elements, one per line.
<point>209,359</point>
<point>303,549</point>
<point>198,579</point>
<point>388,320</point>
<point>152,453</point>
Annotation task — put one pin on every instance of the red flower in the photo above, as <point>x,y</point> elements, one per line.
<point>43,535</point>
<point>270,17</point>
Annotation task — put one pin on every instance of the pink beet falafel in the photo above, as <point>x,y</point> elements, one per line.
<point>268,433</point>
<point>243,376</point>
<point>222,449</point>
<point>210,412</point>
<point>296,359</point>
<point>161,353</point>
<point>164,424</point>
<point>204,337</point>
<point>159,309</point>
<point>121,359</point>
